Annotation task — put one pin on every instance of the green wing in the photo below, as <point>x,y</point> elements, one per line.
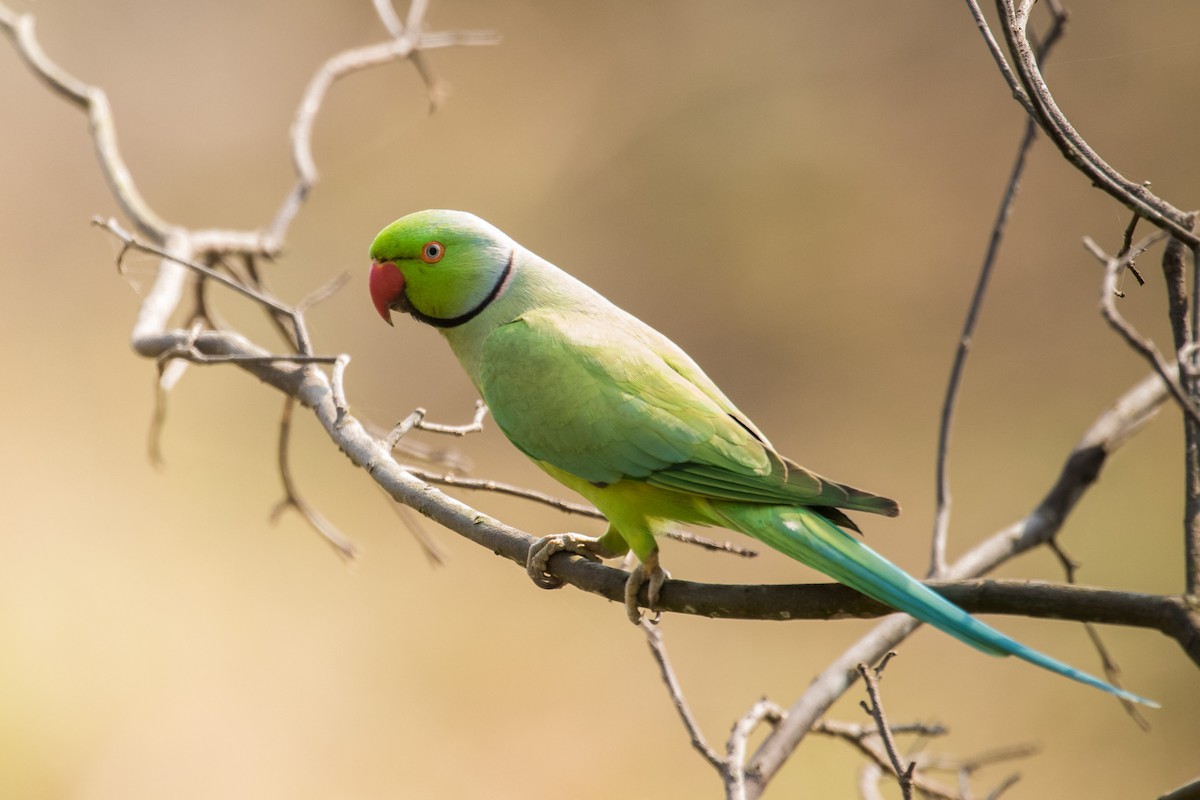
<point>606,398</point>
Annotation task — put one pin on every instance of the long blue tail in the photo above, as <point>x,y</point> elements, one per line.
<point>811,539</point>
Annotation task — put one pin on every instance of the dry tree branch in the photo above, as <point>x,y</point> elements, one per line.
<point>567,507</point>
<point>407,43</point>
<point>100,121</point>
<point>1113,267</point>
<point>416,420</point>
<point>874,706</point>
<point>941,517</point>
<point>1174,256</point>
<point>867,741</point>
<point>341,544</point>
<point>659,651</point>
<point>1112,670</point>
<point>1127,246</point>
<point>993,47</point>
<point>1137,197</point>
<point>294,315</point>
<point>731,768</point>
<point>1189,791</point>
<point>182,245</point>
<point>965,768</point>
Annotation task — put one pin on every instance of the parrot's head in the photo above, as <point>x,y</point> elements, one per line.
<point>443,267</point>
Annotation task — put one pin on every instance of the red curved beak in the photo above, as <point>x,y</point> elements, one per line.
<point>386,284</point>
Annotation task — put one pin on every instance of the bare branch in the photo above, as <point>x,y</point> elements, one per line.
<point>993,47</point>
<point>1113,267</point>
<point>659,651</point>
<point>408,44</point>
<point>416,420</point>
<point>941,519</point>
<point>389,17</point>
<point>711,544</point>
<point>168,376</point>
<point>486,485</point>
<point>342,545</point>
<point>1127,245</point>
<point>1189,791</point>
<point>1178,311</point>
<point>1112,670</point>
<point>1074,148</point>
<point>129,241</point>
<point>95,102</point>
<point>941,523</point>
<point>874,707</point>
<point>739,740</point>
<point>867,741</point>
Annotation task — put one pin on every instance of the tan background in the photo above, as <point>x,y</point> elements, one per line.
<point>799,194</point>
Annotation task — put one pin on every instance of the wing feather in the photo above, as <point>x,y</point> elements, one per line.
<point>612,399</point>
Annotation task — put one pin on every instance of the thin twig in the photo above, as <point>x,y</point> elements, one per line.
<point>1074,147</point>
<point>433,553</point>
<point>868,781</point>
<point>129,241</point>
<point>566,506</point>
<point>1142,345</point>
<point>874,707</point>
<point>993,47</point>
<point>100,120</point>
<point>388,16</point>
<point>941,524</point>
<point>168,376</point>
<point>416,421</point>
<point>712,545</point>
<point>739,740</point>
<point>486,485</point>
<point>1112,670</point>
<point>1178,311</point>
<point>1127,244</point>
<point>342,545</point>
<point>966,768</point>
<point>337,384</point>
<point>867,741</point>
<point>323,293</point>
<point>406,45</point>
<point>941,518</point>
<point>659,651</point>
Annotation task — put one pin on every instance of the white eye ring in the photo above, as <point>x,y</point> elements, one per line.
<point>432,252</point>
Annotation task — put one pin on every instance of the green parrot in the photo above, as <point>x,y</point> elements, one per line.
<point>614,410</point>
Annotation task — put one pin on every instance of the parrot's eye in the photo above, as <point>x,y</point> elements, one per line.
<point>432,252</point>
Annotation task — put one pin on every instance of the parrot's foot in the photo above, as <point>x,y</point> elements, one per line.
<point>653,577</point>
<point>540,552</point>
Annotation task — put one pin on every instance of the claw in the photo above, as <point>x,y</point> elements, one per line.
<point>540,552</point>
<point>653,577</point>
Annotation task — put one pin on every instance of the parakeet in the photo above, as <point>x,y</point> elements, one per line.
<point>617,412</point>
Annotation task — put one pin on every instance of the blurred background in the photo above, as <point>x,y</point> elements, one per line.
<point>798,194</point>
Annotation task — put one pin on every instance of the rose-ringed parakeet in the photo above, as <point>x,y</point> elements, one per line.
<point>614,410</point>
